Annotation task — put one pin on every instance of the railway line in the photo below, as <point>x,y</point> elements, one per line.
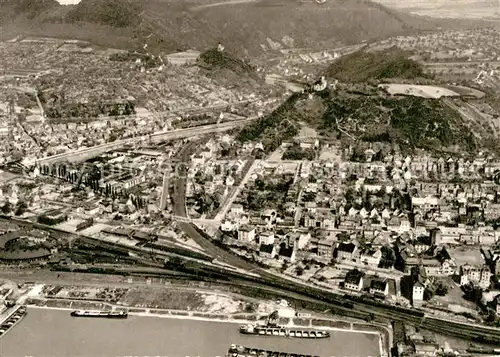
<point>268,285</point>
<point>271,283</point>
<point>265,284</point>
<point>318,300</point>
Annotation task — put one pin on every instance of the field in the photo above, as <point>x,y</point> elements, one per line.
<point>468,255</point>
<point>472,9</point>
<point>419,90</point>
<point>465,91</point>
<point>163,298</point>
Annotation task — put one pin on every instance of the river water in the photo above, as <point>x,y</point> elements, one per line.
<point>54,333</point>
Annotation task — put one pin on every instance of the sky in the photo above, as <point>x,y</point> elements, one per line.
<point>68,2</point>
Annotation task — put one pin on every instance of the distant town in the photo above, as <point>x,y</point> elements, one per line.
<point>142,171</point>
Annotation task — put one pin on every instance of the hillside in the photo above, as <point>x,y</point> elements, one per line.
<point>113,13</point>
<point>248,28</point>
<point>224,66</point>
<point>383,65</point>
<point>30,9</point>
<point>356,110</point>
<point>213,60</point>
<point>409,122</point>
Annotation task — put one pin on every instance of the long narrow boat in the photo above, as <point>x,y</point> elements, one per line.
<point>242,351</point>
<point>13,320</point>
<point>281,331</point>
<point>104,314</point>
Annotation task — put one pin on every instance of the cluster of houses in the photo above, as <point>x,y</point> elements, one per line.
<point>388,215</point>
<point>210,174</point>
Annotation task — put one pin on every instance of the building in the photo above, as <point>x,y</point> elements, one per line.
<point>246,234</point>
<point>418,291</point>
<point>227,226</point>
<point>425,349</point>
<point>188,57</point>
<point>480,275</point>
<point>303,240</point>
<point>325,248</point>
<point>266,238</point>
<point>496,302</point>
<point>371,257</point>
<point>144,236</point>
<point>287,252</point>
<point>237,209</point>
<point>354,280</point>
<point>379,287</point>
<point>30,256</point>
<point>267,251</point>
<point>7,237</point>
<point>346,251</point>
<point>420,283</point>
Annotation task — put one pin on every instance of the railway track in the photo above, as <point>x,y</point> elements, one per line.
<point>339,305</point>
<point>272,284</point>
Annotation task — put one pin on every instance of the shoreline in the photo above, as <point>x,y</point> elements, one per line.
<point>211,319</point>
<point>166,337</point>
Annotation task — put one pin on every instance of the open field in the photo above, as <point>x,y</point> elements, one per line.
<point>468,255</point>
<point>465,91</point>
<point>163,298</point>
<point>419,90</point>
<point>471,9</point>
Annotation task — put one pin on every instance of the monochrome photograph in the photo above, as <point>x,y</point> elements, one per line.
<point>250,178</point>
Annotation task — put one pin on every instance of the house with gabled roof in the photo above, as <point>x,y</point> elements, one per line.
<point>347,251</point>
<point>379,287</point>
<point>354,280</point>
<point>267,251</point>
<point>287,252</point>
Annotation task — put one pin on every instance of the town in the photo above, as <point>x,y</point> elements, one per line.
<point>152,169</point>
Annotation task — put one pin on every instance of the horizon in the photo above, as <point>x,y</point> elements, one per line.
<point>68,2</point>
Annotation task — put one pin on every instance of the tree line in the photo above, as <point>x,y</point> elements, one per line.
<point>90,178</point>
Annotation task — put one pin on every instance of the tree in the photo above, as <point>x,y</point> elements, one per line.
<point>388,257</point>
<point>250,307</point>
<point>284,267</point>
<point>21,208</point>
<point>299,271</point>
<point>473,293</point>
<point>492,317</point>
<point>6,208</point>
<point>442,289</point>
<point>370,317</point>
<point>428,294</point>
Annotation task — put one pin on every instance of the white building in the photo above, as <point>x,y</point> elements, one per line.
<point>246,234</point>
<point>418,293</point>
<point>266,238</point>
<point>480,275</point>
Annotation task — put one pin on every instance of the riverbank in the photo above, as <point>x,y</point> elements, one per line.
<point>383,333</point>
<point>144,298</point>
<point>53,332</point>
<point>186,315</point>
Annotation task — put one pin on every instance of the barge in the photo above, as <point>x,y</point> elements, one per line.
<point>13,320</point>
<point>281,331</point>
<point>242,351</point>
<point>104,314</point>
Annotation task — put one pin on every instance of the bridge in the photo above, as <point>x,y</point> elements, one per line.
<point>89,153</point>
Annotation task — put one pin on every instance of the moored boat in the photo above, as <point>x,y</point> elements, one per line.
<point>281,331</point>
<point>13,320</point>
<point>104,314</point>
<point>242,351</point>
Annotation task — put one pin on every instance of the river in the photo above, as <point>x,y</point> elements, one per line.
<point>54,333</point>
